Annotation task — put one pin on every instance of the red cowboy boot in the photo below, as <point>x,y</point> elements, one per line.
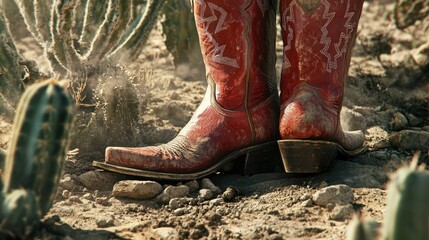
<point>318,37</point>
<point>239,113</point>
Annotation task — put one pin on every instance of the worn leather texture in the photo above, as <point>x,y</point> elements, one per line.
<point>317,52</point>
<point>240,108</point>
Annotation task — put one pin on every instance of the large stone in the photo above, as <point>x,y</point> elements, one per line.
<point>100,180</point>
<point>137,189</point>
<point>410,140</point>
<point>338,194</point>
<point>171,192</point>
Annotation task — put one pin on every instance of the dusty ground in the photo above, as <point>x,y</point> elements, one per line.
<point>381,99</point>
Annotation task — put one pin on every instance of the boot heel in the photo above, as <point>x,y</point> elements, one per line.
<point>307,156</point>
<point>264,159</point>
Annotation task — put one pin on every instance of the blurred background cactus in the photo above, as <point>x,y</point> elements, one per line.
<point>181,37</point>
<point>35,158</point>
<point>407,12</point>
<point>78,35</point>
<point>407,209</point>
<point>12,72</point>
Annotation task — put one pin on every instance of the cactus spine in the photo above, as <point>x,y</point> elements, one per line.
<point>407,210</point>
<point>35,157</point>
<point>83,33</point>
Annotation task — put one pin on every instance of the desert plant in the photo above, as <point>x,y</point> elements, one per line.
<point>115,116</point>
<point>35,157</point>
<point>181,37</point>
<point>407,210</point>
<point>407,12</point>
<point>11,71</point>
<point>84,33</point>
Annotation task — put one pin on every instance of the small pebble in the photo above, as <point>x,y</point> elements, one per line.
<point>66,194</point>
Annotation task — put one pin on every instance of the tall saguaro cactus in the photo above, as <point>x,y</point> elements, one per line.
<point>11,85</point>
<point>35,158</point>
<point>79,34</point>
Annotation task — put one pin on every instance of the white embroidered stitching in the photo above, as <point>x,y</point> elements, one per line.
<point>343,38</point>
<point>286,26</point>
<point>217,54</point>
<point>325,39</point>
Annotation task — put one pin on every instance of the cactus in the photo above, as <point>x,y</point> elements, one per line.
<point>181,37</point>
<point>407,210</point>
<point>359,229</point>
<point>120,107</point>
<point>35,157</point>
<point>11,71</point>
<point>83,33</point>
<point>407,12</point>
<point>407,215</point>
<point>115,117</point>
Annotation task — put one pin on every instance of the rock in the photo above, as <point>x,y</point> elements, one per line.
<point>351,120</point>
<point>207,183</point>
<point>100,180</point>
<point>103,222</point>
<point>75,199</point>
<point>377,138</point>
<point>193,186</point>
<point>307,203</point>
<point>216,202</point>
<point>171,192</point>
<point>342,212</point>
<point>175,203</point>
<point>330,206</point>
<point>137,189</point>
<point>413,120</point>
<point>399,121</point>
<point>68,183</point>
<point>166,233</point>
<point>229,194</point>
<point>66,194</point>
<point>338,194</point>
<point>180,211</point>
<point>88,196</point>
<point>410,140</point>
<point>205,194</point>
<point>305,197</point>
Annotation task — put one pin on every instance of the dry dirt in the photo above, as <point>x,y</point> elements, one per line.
<point>379,99</point>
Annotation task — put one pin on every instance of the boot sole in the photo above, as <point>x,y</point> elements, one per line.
<point>311,156</point>
<point>261,158</point>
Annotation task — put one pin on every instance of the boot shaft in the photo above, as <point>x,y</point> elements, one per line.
<point>318,36</point>
<point>238,44</point>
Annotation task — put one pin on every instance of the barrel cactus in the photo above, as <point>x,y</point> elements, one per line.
<point>35,157</point>
<point>407,210</point>
<point>84,33</point>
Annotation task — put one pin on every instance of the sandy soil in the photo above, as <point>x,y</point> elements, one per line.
<point>266,206</point>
